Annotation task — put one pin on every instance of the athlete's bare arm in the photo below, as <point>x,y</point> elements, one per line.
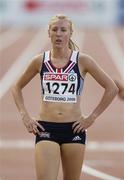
<point>120,85</point>
<point>103,79</point>
<point>88,65</point>
<point>28,74</point>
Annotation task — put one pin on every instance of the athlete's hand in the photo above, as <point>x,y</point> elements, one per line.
<point>32,125</point>
<point>82,124</point>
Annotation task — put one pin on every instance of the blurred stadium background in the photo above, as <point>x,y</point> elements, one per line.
<point>99,31</point>
<point>89,13</point>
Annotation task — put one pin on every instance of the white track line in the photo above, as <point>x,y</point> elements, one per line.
<point>91,146</point>
<point>98,174</point>
<point>114,49</point>
<point>5,33</point>
<point>38,42</point>
<point>101,162</point>
<point>105,146</point>
<point>9,37</point>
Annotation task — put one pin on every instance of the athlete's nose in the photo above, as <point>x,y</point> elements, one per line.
<point>58,33</point>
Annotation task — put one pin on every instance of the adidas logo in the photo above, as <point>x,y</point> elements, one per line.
<point>76,138</point>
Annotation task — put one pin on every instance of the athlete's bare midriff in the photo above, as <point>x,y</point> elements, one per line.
<point>60,112</point>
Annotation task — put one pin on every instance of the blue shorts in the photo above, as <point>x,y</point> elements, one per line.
<point>60,133</point>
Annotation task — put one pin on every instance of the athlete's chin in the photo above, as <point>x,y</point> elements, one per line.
<point>59,46</point>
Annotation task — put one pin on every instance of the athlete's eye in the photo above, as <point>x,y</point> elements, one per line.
<point>54,29</point>
<point>64,30</point>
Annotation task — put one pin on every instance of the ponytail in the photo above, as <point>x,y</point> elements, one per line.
<point>72,45</point>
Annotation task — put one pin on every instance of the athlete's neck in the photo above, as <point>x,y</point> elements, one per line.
<point>60,53</point>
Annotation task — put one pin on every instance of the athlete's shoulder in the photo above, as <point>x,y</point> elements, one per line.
<point>84,56</point>
<point>38,57</point>
<point>85,59</point>
<point>37,61</point>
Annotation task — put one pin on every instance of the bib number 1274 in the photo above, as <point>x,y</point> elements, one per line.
<point>60,88</point>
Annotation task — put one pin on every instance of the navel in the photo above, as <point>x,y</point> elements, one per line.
<point>60,113</point>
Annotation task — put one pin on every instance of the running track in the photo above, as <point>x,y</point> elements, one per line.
<point>104,157</point>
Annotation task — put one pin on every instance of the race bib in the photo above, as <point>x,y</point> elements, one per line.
<point>60,87</point>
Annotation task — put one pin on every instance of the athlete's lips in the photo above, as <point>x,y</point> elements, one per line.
<point>58,40</point>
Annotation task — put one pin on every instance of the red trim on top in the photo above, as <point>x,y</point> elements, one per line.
<point>64,65</point>
<point>59,70</point>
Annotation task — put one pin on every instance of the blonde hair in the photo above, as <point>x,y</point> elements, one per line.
<point>71,44</point>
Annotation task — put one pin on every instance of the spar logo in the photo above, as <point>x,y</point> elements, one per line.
<point>56,77</point>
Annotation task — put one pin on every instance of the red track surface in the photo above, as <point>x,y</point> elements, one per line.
<point>17,164</point>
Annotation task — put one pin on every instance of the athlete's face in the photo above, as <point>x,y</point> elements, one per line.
<point>60,33</point>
